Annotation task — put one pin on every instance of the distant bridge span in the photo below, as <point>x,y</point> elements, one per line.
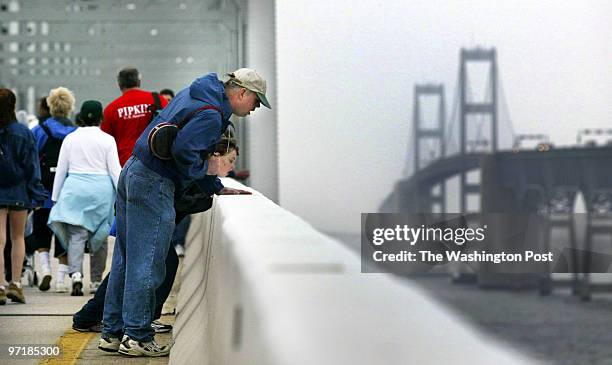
<point>545,175</point>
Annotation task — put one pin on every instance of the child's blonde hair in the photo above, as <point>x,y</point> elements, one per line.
<point>61,102</point>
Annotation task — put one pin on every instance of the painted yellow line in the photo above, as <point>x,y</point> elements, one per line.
<point>72,344</point>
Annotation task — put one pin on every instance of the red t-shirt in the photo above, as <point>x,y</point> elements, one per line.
<point>126,117</point>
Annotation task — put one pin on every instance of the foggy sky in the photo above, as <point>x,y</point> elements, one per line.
<point>346,72</point>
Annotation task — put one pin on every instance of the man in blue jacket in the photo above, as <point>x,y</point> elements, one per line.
<point>145,202</point>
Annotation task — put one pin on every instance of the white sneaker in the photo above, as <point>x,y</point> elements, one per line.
<point>93,287</point>
<point>77,284</point>
<point>109,344</point>
<point>135,348</point>
<point>60,287</point>
<point>28,272</point>
<point>159,327</point>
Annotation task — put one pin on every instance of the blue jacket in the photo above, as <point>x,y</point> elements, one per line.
<point>19,150</point>
<point>59,127</point>
<point>196,140</point>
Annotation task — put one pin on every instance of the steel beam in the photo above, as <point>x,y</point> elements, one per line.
<point>51,13</point>
<point>478,108</point>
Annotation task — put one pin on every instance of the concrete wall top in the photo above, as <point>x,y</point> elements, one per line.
<point>261,286</point>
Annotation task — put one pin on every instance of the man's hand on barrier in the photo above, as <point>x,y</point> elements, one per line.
<point>230,191</point>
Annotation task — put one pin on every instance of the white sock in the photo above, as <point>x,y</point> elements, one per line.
<point>62,271</point>
<point>44,261</point>
<point>17,284</point>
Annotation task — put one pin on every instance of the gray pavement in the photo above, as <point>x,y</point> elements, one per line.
<point>46,318</point>
<point>31,330</point>
<point>92,356</point>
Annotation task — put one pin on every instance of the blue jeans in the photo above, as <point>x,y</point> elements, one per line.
<point>91,313</point>
<point>145,222</point>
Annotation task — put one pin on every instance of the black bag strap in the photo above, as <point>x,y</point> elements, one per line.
<point>156,101</point>
<point>46,130</point>
<point>186,120</point>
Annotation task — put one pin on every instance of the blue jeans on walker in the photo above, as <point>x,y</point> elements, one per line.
<point>145,222</point>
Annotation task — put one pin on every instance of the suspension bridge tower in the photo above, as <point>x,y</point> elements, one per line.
<point>476,115</point>
<point>429,141</point>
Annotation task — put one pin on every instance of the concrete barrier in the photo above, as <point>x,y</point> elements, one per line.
<point>261,286</point>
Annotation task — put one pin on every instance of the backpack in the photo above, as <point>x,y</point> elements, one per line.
<point>49,155</point>
<point>162,136</point>
<point>156,107</point>
<point>11,173</point>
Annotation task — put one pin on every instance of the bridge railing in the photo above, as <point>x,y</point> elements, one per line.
<point>261,286</point>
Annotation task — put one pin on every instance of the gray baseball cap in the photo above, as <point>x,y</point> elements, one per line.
<point>251,80</point>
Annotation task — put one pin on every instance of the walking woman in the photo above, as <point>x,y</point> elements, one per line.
<point>84,190</point>
<point>49,134</point>
<point>19,186</point>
